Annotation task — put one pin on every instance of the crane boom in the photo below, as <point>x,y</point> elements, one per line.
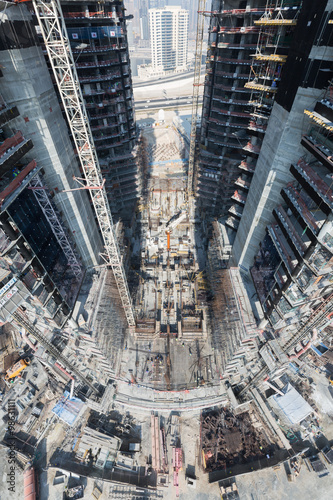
<point>195,101</point>
<point>54,32</point>
<point>52,350</point>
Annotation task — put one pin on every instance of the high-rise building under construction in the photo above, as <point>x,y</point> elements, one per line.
<point>264,165</point>
<point>48,235</point>
<point>248,52</point>
<point>98,38</point>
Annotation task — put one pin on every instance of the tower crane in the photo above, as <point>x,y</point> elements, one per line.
<point>54,32</point>
<point>195,101</point>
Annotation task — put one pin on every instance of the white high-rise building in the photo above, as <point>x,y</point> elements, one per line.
<point>169,38</point>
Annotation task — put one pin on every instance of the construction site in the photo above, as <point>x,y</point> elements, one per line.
<point>166,323</point>
<point>229,440</point>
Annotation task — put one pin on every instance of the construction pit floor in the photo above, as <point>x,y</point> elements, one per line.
<point>169,361</point>
<point>170,349</point>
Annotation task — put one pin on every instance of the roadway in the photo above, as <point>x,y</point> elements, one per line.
<point>174,102</point>
<point>164,79</point>
<point>165,89</point>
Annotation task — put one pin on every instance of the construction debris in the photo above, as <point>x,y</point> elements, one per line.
<point>227,440</point>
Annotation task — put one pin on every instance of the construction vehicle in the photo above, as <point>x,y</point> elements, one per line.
<point>330,378</point>
<point>17,368</point>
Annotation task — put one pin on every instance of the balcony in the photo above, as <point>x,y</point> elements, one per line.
<point>223,144</point>
<point>239,198</point>
<point>118,158</point>
<point>233,76</point>
<point>314,184</point>
<point>236,211</point>
<point>229,113</point>
<point>290,232</point>
<point>253,125</point>
<point>242,30</point>
<point>92,15</point>
<point>105,126</point>
<point>231,101</point>
<point>227,124</point>
<point>104,115</point>
<point>97,64</point>
<point>285,252</point>
<point>108,145</point>
<point>104,102</point>
<point>227,88</point>
<point>252,148</point>
<point>101,48</point>
<point>319,151</point>
<point>242,183</point>
<point>103,137</point>
<point>242,12</point>
<point>209,176</point>
<point>236,46</point>
<point>210,192</point>
<point>298,205</point>
<point>232,223</point>
<point>227,60</point>
<point>100,78</point>
<point>247,167</point>
<point>12,150</point>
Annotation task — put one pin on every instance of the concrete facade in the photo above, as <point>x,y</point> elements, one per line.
<point>281,147</point>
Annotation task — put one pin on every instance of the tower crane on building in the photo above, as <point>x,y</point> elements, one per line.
<point>54,32</point>
<point>195,101</point>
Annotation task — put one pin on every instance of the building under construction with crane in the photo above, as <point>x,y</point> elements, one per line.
<point>218,272</point>
<point>174,290</point>
<point>211,279</point>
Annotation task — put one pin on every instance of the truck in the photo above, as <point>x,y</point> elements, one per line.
<point>16,369</point>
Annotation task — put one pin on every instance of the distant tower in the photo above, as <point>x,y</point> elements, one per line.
<point>144,23</point>
<point>169,38</point>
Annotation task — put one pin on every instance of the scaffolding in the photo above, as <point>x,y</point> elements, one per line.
<point>48,210</point>
<point>268,63</point>
<point>53,29</point>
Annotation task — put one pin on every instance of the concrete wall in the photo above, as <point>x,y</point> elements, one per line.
<point>281,147</point>
<point>27,84</point>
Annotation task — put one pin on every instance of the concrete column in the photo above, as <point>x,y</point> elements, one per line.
<point>280,148</point>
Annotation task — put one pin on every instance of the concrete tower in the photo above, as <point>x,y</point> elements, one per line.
<point>306,74</point>
<point>98,36</point>
<point>169,38</point>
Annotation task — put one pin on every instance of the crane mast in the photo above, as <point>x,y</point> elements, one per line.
<point>54,32</point>
<point>195,102</point>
